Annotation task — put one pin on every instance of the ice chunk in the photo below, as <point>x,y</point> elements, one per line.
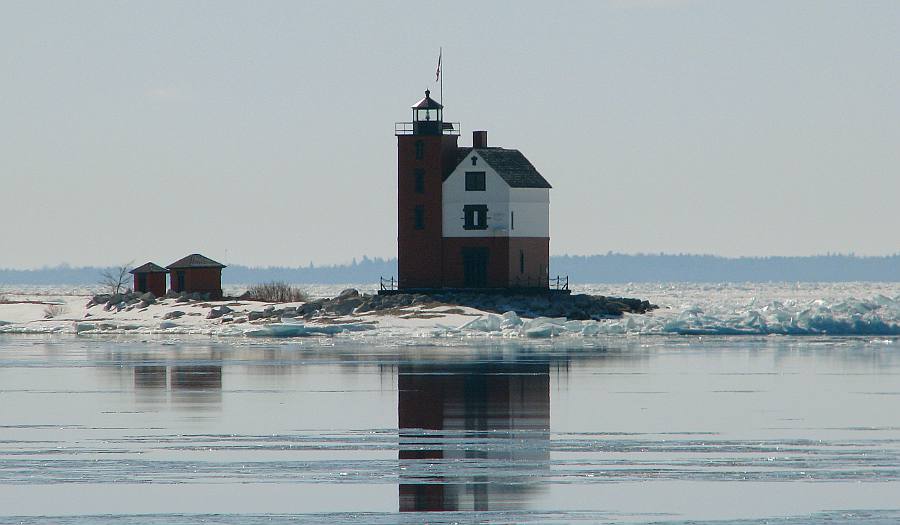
<point>84,327</point>
<point>545,330</point>
<point>296,329</point>
<point>510,320</point>
<point>277,330</point>
<point>484,323</point>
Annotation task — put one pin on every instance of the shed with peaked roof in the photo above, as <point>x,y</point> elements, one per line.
<point>196,274</point>
<point>150,277</point>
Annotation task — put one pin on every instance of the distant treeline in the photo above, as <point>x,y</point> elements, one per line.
<point>618,268</point>
<point>609,268</point>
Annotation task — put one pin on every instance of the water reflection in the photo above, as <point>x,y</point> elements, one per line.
<point>191,386</point>
<point>472,436</point>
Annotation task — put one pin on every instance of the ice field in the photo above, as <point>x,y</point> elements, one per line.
<point>863,309</point>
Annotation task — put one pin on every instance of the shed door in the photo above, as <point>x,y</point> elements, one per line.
<point>179,280</point>
<point>142,282</point>
<point>475,261</point>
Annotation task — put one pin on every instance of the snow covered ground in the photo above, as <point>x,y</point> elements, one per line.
<point>868,309</point>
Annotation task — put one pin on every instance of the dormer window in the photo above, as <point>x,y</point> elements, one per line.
<point>475,181</point>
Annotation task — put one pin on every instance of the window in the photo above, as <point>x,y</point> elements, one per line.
<point>512,220</point>
<point>420,150</point>
<point>474,181</point>
<point>419,218</point>
<point>521,261</point>
<point>419,175</point>
<point>474,160</point>
<point>475,216</point>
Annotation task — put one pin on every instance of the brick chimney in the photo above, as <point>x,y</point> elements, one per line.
<point>479,139</point>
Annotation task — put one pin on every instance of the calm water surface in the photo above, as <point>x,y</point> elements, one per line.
<point>646,430</point>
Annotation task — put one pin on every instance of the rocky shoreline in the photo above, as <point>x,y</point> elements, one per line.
<point>578,307</point>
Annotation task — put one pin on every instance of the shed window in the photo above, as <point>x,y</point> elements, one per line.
<point>419,217</point>
<point>475,216</point>
<point>419,176</point>
<point>474,181</point>
<point>512,220</point>
<point>420,150</point>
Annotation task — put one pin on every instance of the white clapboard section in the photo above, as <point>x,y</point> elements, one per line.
<point>512,212</point>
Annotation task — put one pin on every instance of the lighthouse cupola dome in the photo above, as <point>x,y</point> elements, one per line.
<point>427,116</point>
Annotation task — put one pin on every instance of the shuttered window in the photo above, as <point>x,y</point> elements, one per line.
<point>475,217</point>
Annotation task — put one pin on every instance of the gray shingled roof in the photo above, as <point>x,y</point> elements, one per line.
<point>510,164</point>
<point>195,260</point>
<point>149,268</point>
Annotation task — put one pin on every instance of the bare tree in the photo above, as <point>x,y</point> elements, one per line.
<point>115,280</point>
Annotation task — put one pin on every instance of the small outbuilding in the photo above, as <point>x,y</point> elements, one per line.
<point>196,274</point>
<point>150,277</point>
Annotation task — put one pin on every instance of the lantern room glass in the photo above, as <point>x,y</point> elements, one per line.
<point>427,115</point>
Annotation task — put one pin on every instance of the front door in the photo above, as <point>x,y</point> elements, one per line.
<point>179,280</point>
<point>142,282</point>
<point>475,261</point>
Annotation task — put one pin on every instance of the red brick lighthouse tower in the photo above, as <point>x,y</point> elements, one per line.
<point>426,153</point>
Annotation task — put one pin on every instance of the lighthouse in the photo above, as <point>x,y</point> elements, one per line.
<point>467,217</point>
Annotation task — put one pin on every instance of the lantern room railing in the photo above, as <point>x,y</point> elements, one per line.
<point>408,128</point>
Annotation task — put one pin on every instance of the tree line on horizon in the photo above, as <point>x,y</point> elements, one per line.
<point>606,268</point>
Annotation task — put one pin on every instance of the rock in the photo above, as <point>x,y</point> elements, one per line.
<point>174,314</point>
<point>172,294</point>
<point>348,292</point>
<point>183,299</point>
<point>311,307</point>
<point>102,298</point>
<point>253,316</point>
<point>148,298</point>
<point>113,300</point>
<point>217,312</point>
<point>269,308</point>
<point>344,306</point>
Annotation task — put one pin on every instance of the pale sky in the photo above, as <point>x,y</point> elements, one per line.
<point>261,133</point>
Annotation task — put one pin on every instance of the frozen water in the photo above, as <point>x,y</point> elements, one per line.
<point>861,309</point>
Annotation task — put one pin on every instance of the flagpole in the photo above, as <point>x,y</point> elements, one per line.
<point>440,60</point>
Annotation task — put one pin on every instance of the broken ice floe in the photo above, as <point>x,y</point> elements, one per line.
<point>878,316</point>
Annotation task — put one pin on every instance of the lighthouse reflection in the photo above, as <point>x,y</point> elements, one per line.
<point>472,436</point>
